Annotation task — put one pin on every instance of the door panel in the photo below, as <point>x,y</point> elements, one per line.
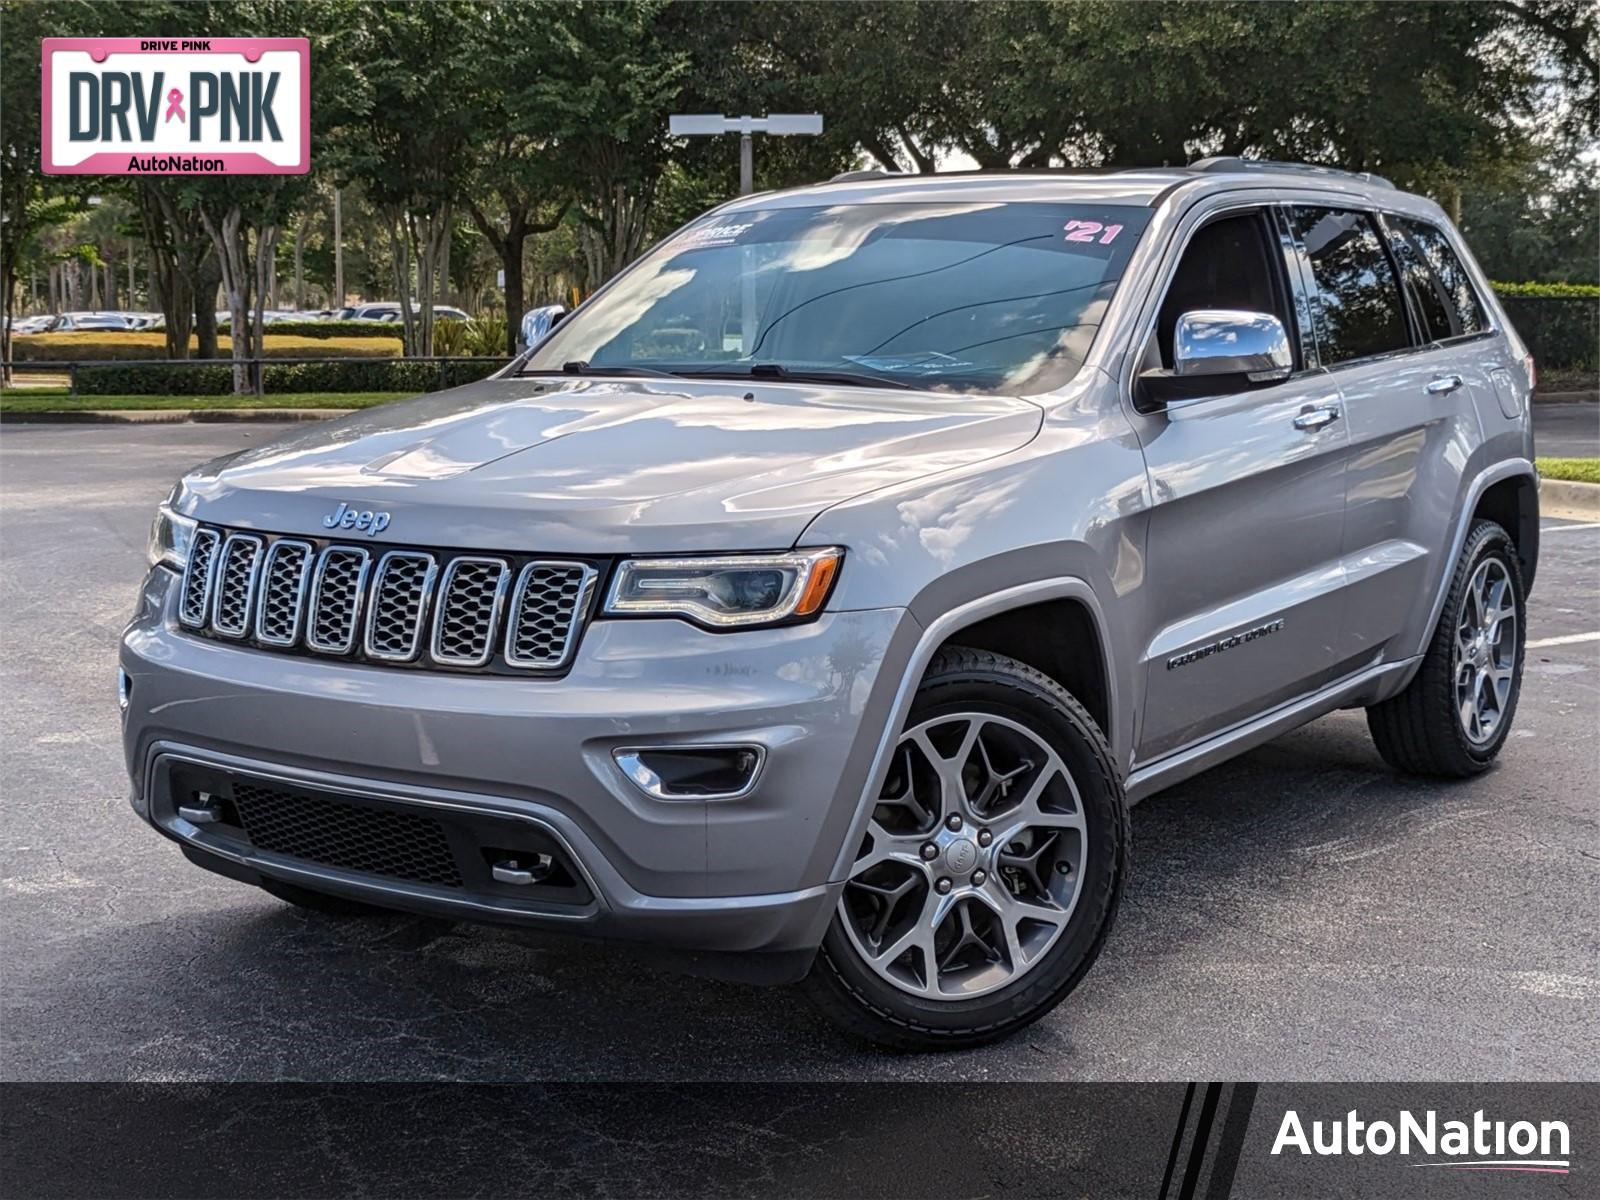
<point>1414,423</point>
<point>1408,446</point>
<point>1244,557</point>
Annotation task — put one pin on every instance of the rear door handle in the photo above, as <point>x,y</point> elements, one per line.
<point>1443,385</point>
<point>1315,418</point>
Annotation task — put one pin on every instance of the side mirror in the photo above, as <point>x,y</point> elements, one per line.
<point>1220,351</point>
<point>537,324</point>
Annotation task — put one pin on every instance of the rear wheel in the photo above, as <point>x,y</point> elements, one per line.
<point>1454,716</point>
<point>991,868</point>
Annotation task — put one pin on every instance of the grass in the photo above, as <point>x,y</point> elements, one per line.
<point>1575,470</point>
<point>92,345</point>
<point>37,400</point>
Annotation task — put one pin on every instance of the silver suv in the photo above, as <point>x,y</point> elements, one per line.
<point>816,598</point>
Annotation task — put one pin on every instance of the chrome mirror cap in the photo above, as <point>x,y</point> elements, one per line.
<point>537,322</point>
<point>1221,341</point>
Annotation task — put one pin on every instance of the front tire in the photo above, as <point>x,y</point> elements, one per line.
<point>992,867</point>
<point>1454,716</point>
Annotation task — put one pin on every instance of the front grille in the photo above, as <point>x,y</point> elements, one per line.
<point>469,611</point>
<point>398,607</point>
<point>350,837</point>
<point>336,598</point>
<point>194,604</point>
<point>284,579</point>
<point>236,584</point>
<point>544,613</point>
<point>399,603</point>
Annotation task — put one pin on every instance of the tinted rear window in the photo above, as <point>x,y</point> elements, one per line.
<point>1359,312</point>
<point>1452,276</point>
<point>1433,304</point>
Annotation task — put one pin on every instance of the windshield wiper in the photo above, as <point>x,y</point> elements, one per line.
<point>803,375</point>
<point>582,367</point>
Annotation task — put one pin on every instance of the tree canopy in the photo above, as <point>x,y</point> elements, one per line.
<point>469,138</point>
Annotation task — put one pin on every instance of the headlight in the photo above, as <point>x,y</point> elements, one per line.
<point>731,592</point>
<point>170,539</point>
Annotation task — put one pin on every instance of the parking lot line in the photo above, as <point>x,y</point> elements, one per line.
<point>1570,639</point>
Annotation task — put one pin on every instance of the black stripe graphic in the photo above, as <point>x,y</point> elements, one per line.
<point>1177,1140</point>
<point>1213,1146</point>
<point>1241,1103</point>
<point>1202,1137</point>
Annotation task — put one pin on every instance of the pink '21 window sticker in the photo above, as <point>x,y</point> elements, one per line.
<point>1092,231</point>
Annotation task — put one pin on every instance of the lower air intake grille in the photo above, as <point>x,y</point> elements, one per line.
<point>347,836</point>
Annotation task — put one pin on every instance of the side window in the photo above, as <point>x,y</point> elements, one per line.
<point>1228,263</point>
<point>1432,302</point>
<point>1357,297</point>
<point>1431,243</point>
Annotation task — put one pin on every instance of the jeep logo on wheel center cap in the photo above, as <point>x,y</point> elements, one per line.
<point>961,856</point>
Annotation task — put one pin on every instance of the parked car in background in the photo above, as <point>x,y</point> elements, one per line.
<point>387,311</point>
<point>35,324</point>
<point>78,322</point>
<point>822,591</point>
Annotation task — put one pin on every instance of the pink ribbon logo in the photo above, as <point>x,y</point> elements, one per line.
<point>175,105</point>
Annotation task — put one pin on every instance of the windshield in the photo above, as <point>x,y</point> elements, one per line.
<point>964,297</point>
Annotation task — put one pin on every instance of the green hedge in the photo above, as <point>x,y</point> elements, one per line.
<point>330,329</point>
<point>1557,291</point>
<point>357,375</point>
<point>1562,333</point>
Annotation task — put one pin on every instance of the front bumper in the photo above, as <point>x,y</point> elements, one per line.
<point>490,755</point>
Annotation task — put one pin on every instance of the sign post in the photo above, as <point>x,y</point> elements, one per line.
<point>709,125</point>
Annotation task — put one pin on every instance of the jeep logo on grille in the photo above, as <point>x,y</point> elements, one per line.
<point>365,520</point>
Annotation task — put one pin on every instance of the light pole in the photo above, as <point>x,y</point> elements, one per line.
<point>338,249</point>
<point>709,125</point>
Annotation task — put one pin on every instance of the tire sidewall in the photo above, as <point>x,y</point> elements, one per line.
<point>1487,541</point>
<point>1082,750</point>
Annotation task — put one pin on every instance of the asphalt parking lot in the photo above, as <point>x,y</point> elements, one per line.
<point>1567,430</point>
<point>1301,913</point>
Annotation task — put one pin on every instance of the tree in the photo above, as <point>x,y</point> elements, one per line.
<point>30,202</point>
<point>522,179</point>
<point>409,137</point>
<point>613,123</point>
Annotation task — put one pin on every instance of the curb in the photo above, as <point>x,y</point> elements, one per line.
<point>169,416</point>
<point>1569,501</point>
<point>1583,397</point>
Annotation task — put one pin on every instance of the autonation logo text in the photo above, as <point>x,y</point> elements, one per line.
<point>1476,1145</point>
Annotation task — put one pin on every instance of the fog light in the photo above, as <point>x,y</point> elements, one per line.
<point>124,689</point>
<point>692,772</point>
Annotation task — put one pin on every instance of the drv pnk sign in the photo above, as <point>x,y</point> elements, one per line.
<point>176,106</point>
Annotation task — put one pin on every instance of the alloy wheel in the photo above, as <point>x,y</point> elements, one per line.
<point>1486,651</point>
<point>973,860</point>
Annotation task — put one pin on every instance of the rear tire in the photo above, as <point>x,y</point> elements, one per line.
<point>1473,663</point>
<point>1002,913</point>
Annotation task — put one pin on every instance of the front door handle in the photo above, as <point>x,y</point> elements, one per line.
<point>1443,385</point>
<point>1315,418</point>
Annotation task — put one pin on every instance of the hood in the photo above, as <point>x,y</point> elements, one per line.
<point>588,466</point>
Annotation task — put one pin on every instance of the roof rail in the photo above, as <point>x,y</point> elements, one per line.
<point>868,173</point>
<point>1228,163</point>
